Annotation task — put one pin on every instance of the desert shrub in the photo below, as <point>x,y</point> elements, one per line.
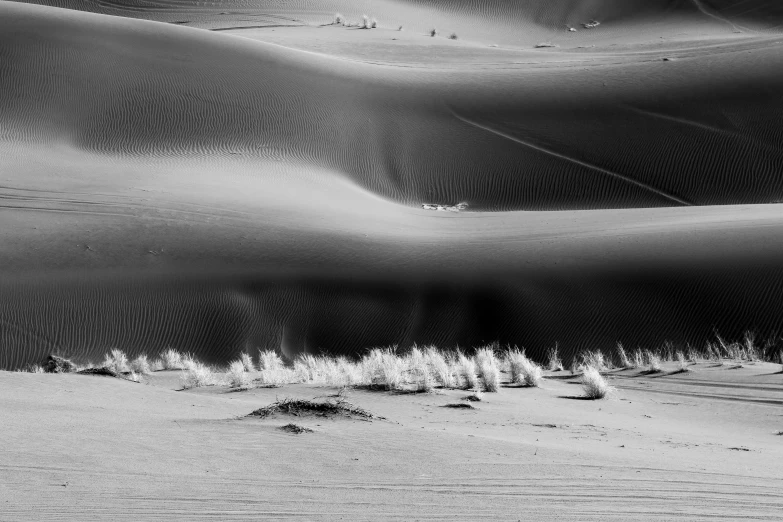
<point>382,368</point>
<point>338,19</point>
<point>487,368</point>
<point>247,362</point>
<point>171,360</point>
<point>197,375</point>
<point>453,36</point>
<point>593,384</point>
<point>467,371</point>
<point>523,370</point>
<point>553,355</point>
<point>141,365</point>
<point>374,24</point>
<point>625,362</point>
<point>433,32</point>
<point>594,359</point>
<point>638,359</point>
<point>269,360</point>
<point>116,361</point>
<point>682,362</point>
<point>237,375</point>
<point>654,362</point>
<point>440,368</point>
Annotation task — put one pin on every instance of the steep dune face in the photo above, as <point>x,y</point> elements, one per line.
<point>167,186</point>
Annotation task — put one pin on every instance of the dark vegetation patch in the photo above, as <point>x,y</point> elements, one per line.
<point>472,398</point>
<point>460,406</point>
<point>301,408</point>
<point>546,425</point>
<point>295,429</point>
<point>99,371</point>
<point>739,449</point>
<point>56,364</point>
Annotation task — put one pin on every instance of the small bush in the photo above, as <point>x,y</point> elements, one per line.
<point>374,24</point>
<point>440,367</point>
<point>269,360</point>
<point>654,362</point>
<point>593,384</point>
<point>141,365</point>
<point>625,362</point>
<point>433,32</point>
<point>467,372</point>
<point>171,360</point>
<point>555,364</point>
<point>638,359</point>
<point>237,376</point>
<point>247,362</point>
<point>116,361</point>
<point>682,362</point>
<point>197,375</point>
<point>453,36</point>
<point>523,370</point>
<point>338,19</point>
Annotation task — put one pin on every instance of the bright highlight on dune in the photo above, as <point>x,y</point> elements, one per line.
<point>391,259</point>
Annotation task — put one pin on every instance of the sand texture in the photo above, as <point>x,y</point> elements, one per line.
<point>248,174</point>
<point>702,447</point>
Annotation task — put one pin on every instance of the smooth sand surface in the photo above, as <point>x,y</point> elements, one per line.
<point>257,179</point>
<point>697,446</point>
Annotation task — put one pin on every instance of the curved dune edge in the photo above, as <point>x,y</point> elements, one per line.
<point>270,199</point>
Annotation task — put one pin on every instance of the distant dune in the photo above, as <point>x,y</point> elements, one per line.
<point>218,190</point>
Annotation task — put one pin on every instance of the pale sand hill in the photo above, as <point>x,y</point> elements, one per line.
<point>166,185</point>
<point>80,447</point>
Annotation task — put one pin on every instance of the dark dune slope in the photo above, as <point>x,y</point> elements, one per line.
<point>165,186</point>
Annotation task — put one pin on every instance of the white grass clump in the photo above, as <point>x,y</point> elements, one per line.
<point>467,372</point>
<point>382,368</point>
<point>555,364</point>
<point>682,362</point>
<point>141,365</point>
<point>116,361</point>
<point>237,375</point>
<point>418,371</point>
<point>197,375</point>
<point>487,368</point>
<point>638,359</point>
<point>440,367</point>
<point>625,362</point>
<point>654,362</point>
<point>269,360</point>
<point>523,370</point>
<point>171,360</point>
<point>593,384</point>
<point>595,360</point>
<point>247,362</point>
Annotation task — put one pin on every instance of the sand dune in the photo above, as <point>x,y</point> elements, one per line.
<point>165,185</point>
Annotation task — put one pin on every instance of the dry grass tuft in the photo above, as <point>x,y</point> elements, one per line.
<point>593,384</point>
<point>141,365</point>
<point>654,362</point>
<point>625,362</point>
<point>523,370</point>
<point>553,355</point>
<point>295,429</point>
<point>332,407</point>
<point>247,362</point>
<point>467,371</point>
<point>116,361</point>
<point>197,375</point>
<point>171,360</point>
<point>237,376</point>
<point>269,360</point>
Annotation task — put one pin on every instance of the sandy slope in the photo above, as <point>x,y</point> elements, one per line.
<point>104,449</point>
<point>166,185</point>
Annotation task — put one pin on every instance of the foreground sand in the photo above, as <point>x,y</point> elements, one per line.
<point>697,446</point>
